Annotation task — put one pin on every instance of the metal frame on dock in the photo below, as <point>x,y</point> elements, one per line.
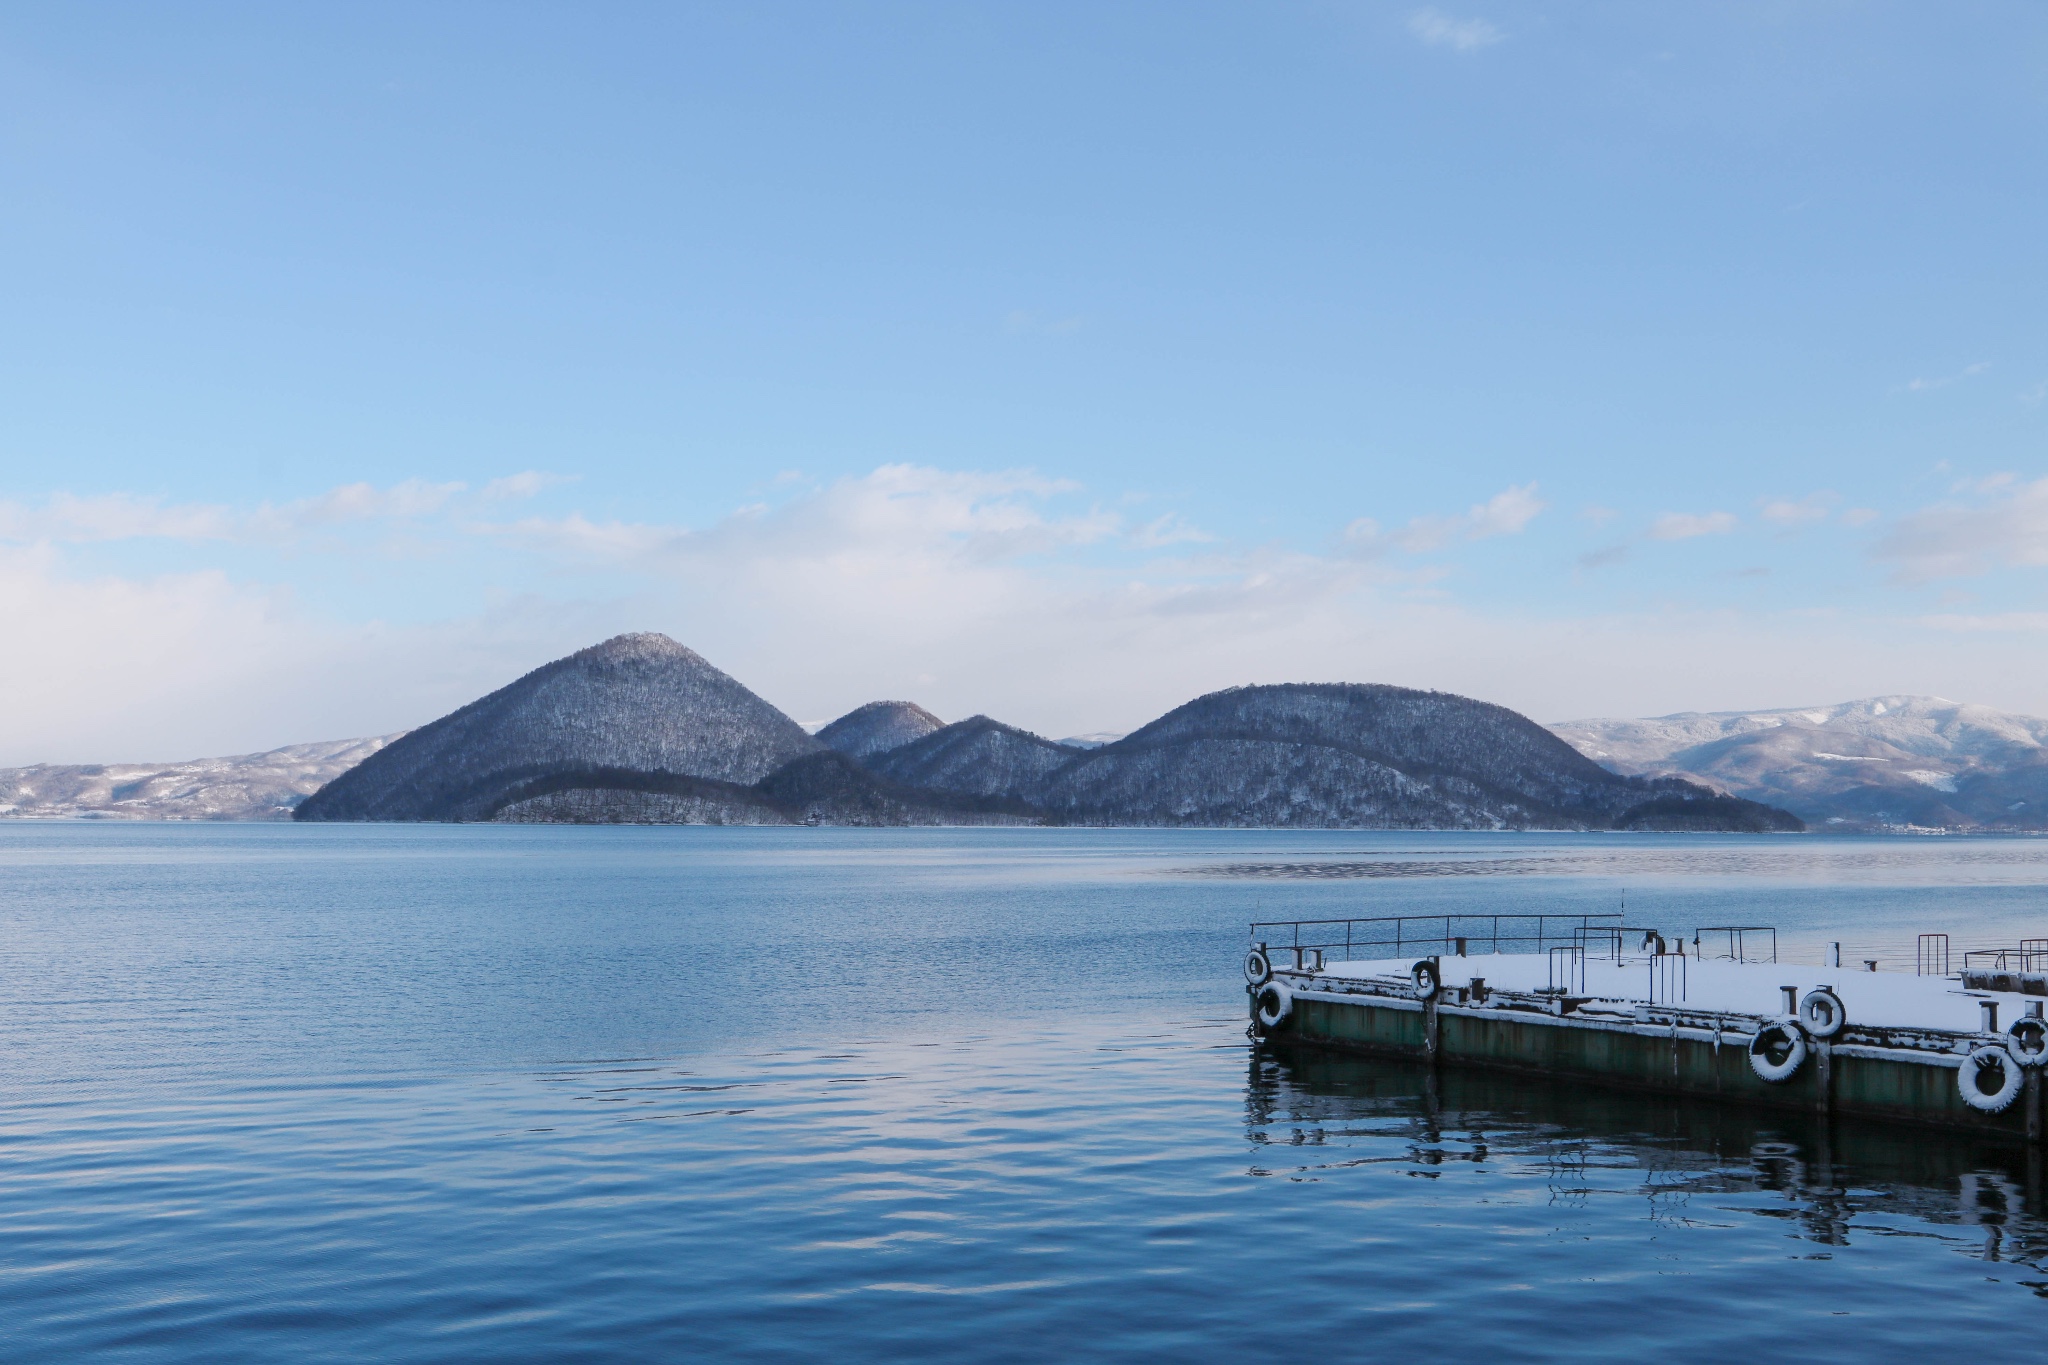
<point>1412,934</point>
<point>1661,1043</point>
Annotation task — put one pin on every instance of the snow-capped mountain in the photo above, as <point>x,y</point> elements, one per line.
<point>263,786</point>
<point>879,727</point>
<point>634,704</point>
<point>1881,761</point>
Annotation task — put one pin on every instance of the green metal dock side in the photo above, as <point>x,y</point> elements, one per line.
<point>1592,1001</point>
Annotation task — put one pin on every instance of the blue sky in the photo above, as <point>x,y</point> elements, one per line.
<point>1054,361</point>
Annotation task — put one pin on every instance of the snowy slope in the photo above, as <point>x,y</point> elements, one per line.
<point>1317,756</point>
<point>879,727</point>
<point>1893,760</point>
<point>263,786</point>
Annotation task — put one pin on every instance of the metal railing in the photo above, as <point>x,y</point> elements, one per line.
<point>1567,970</point>
<point>1744,942</point>
<point>1668,973</point>
<point>1930,955</point>
<point>1395,936</point>
<point>2030,956</point>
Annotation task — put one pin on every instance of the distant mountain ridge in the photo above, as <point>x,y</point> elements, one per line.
<point>978,756</point>
<point>1314,755</point>
<point>262,786</point>
<point>1880,762</point>
<point>640,729</point>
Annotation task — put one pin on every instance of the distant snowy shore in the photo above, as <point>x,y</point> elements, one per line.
<point>265,786</point>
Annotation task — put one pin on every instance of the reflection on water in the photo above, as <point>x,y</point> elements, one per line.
<point>455,1093</point>
<point>1680,1163</point>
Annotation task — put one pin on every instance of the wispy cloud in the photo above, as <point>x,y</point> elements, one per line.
<point>900,511</point>
<point>526,484</point>
<point>1997,523</point>
<point>356,502</point>
<point>1170,529</point>
<point>1602,557</point>
<point>1943,381</point>
<point>1786,512</point>
<point>1437,29</point>
<point>113,516</point>
<point>1506,513</point>
<point>1686,525</point>
<point>65,518</point>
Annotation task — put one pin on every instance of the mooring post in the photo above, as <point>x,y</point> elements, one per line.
<point>1429,1021</point>
<point>2032,1092</point>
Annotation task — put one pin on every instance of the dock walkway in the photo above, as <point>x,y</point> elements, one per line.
<point>1626,1007</point>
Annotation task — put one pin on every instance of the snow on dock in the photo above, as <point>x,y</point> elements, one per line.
<point>1877,999</point>
<point>1584,997</point>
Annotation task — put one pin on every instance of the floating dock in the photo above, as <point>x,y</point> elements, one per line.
<point>1586,998</point>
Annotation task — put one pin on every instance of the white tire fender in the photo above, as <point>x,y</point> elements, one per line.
<point>1989,1078</point>
<point>1821,1013</point>
<point>1778,1050</point>
<point>1276,1002</point>
<point>2028,1041</point>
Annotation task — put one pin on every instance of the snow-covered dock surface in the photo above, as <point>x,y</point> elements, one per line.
<point>1874,999</point>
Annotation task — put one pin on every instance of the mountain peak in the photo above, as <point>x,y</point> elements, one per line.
<point>878,727</point>
<point>638,703</point>
<point>637,647</point>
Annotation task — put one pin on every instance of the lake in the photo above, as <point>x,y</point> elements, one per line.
<point>452,1093</point>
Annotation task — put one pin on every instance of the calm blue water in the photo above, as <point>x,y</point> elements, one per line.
<point>431,1093</point>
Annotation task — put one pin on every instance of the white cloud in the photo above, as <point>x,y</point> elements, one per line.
<point>1505,513</point>
<point>1860,516</point>
<point>2005,622</point>
<point>65,518</point>
<point>899,511</point>
<point>1168,530</point>
<point>2004,525</point>
<point>526,484</point>
<point>114,516</point>
<point>1438,29</point>
<point>1007,593</point>
<point>188,665</point>
<point>1785,512</point>
<point>352,502</point>
<point>1686,525</point>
